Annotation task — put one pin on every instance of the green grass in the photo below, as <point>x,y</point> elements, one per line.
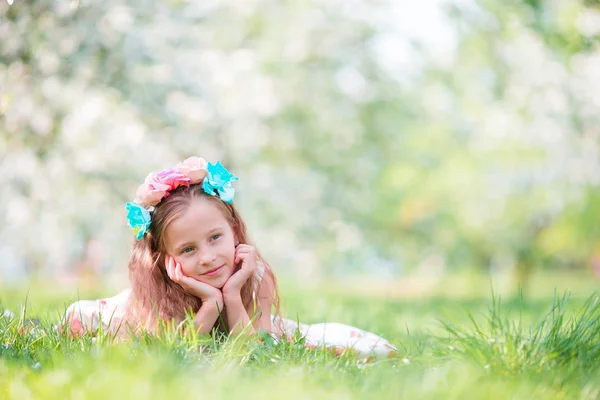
<point>451,347</point>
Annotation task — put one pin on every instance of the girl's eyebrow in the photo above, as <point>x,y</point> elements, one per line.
<point>218,228</point>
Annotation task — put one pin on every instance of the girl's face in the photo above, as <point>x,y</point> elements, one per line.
<point>203,242</point>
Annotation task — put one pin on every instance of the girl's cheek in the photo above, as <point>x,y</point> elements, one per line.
<point>186,269</point>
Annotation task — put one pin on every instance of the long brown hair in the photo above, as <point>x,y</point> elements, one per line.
<point>154,296</point>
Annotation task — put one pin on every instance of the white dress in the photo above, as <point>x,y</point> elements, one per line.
<point>87,316</point>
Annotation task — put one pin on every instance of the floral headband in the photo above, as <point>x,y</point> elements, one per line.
<point>215,178</point>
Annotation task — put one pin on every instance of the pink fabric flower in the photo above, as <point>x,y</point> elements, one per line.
<point>157,186</point>
<point>168,179</point>
<point>147,197</point>
<point>194,168</point>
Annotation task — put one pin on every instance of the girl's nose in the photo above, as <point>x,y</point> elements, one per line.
<point>206,257</point>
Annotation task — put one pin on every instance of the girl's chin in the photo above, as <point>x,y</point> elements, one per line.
<point>217,283</point>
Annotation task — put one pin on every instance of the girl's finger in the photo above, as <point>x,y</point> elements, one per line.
<point>174,271</point>
<point>173,268</point>
<point>243,253</point>
<point>182,275</point>
<point>243,248</point>
<point>241,256</point>
<point>170,267</point>
<point>178,272</point>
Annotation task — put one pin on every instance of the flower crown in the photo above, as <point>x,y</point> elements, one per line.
<point>215,178</point>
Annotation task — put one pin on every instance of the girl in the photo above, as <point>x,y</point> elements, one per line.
<point>192,253</point>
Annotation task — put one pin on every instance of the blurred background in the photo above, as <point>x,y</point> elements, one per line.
<point>384,141</point>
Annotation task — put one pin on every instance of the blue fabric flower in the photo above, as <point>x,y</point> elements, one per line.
<point>139,219</point>
<point>219,179</point>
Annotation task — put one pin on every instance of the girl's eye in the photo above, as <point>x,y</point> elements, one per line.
<point>215,237</point>
<point>187,250</point>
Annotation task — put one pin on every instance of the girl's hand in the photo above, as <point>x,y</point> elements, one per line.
<point>206,293</point>
<point>248,256</point>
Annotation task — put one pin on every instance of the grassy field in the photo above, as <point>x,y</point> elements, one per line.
<point>456,341</point>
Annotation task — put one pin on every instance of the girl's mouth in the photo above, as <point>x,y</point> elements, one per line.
<point>213,272</point>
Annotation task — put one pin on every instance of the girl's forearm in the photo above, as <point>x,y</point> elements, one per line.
<point>206,317</point>
<point>237,316</point>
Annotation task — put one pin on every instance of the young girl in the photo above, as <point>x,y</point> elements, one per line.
<point>192,254</point>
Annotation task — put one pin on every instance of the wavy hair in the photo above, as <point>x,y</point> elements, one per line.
<point>154,296</point>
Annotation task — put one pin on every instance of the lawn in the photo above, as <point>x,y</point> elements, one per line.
<point>456,340</point>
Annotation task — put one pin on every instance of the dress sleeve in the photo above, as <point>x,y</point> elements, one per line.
<point>87,316</point>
